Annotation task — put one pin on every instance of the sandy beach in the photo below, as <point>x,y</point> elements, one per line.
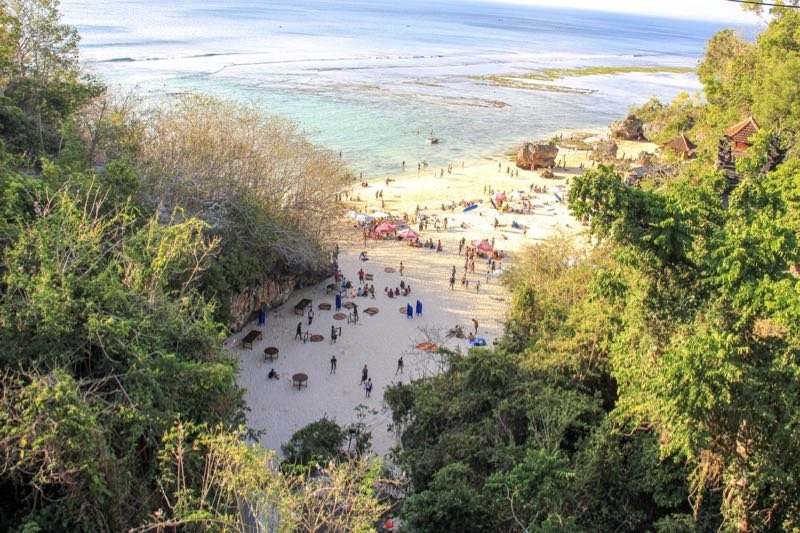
<point>279,408</point>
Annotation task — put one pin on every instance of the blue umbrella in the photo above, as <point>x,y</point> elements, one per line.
<point>419,308</point>
<point>409,311</point>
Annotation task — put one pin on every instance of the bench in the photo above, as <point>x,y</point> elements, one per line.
<point>247,341</point>
<point>300,308</point>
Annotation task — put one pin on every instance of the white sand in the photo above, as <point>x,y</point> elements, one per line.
<point>378,341</point>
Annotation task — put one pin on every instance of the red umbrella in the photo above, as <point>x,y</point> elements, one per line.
<point>408,233</point>
<point>483,245</point>
<point>385,228</point>
<point>500,197</point>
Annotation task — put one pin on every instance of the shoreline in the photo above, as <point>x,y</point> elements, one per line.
<point>279,409</point>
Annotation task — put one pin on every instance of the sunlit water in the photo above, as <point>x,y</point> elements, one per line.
<point>365,76</point>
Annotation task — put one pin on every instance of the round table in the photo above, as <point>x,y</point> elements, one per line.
<point>339,316</point>
<point>270,353</point>
<point>300,379</point>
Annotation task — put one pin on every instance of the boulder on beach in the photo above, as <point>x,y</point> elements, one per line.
<point>537,155</point>
<point>630,129</point>
<point>605,151</point>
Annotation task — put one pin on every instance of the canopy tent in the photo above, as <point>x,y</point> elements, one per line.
<point>359,217</point>
<point>408,233</point>
<point>385,228</point>
<point>482,245</point>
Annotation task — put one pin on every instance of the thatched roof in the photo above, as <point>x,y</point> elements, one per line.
<point>681,144</point>
<point>742,131</point>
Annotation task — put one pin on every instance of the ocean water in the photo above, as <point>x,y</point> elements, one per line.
<point>365,76</point>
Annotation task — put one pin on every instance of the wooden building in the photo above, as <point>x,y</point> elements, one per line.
<point>681,146</point>
<point>739,135</point>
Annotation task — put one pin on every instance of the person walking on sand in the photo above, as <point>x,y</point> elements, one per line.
<point>401,269</point>
<point>364,375</point>
<point>368,388</point>
<point>399,366</point>
<point>452,282</point>
<point>475,325</point>
<point>361,276</point>
<point>333,364</point>
<point>299,332</point>
<point>333,335</point>
<point>477,286</point>
<point>310,315</point>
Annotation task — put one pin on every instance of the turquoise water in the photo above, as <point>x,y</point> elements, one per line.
<point>364,76</point>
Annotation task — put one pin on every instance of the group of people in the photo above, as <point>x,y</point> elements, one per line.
<point>429,244</point>
<point>366,290</point>
<point>403,289</point>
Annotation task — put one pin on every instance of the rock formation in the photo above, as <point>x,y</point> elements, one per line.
<point>645,158</point>
<point>629,129</point>
<point>537,155</point>
<point>245,304</point>
<point>652,129</point>
<point>605,151</point>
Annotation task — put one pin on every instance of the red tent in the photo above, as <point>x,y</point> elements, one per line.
<point>385,228</point>
<point>483,245</point>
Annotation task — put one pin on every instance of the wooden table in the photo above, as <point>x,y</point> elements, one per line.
<point>299,380</point>
<point>270,353</point>
<point>247,341</point>
<point>300,308</point>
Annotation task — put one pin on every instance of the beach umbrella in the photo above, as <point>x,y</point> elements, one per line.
<point>385,228</point>
<point>379,214</point>
<point>408,233</point>
<point>482,245</point>
<point>500,197</point>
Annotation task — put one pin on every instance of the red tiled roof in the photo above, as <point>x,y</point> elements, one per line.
<point>681,144</point>
<point>742,131</point>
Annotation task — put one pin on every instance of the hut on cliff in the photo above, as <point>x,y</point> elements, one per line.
<point>682,146</point>
<point>739,136</point>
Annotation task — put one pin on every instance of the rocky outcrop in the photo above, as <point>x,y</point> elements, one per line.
<point>652,129</point>
<point>244,305</point>
<point>645,158</point>
<point>605,151</point>
<point>537,155</point>
<point>629,129</point>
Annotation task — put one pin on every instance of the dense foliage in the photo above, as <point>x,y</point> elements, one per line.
<point>119,247</point>
<point>649,383</point>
